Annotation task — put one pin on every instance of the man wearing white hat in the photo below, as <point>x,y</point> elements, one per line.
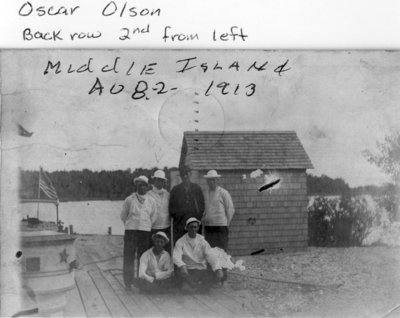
<point>192,256</point>
<point>161,197</point>
<point>156,269</point>
<point>138,214</point>
<point>218,213</point>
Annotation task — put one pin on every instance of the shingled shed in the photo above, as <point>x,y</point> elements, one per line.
<point>273,220</point>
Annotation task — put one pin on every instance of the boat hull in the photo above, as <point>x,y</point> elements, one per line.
<point>47,273</point>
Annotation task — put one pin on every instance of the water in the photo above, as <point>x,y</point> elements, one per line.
<point>87,217</point>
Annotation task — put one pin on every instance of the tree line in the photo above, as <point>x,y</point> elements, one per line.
<point>77,185</point>
<point>85,184</point>
<point>324,185</point>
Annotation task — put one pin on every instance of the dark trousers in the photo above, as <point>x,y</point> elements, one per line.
<point>217,236</point>
<point>166,231</point>
<point>134,242</point>
<point>197,279</point>
<point>158,286</point>
<point>178,233</point>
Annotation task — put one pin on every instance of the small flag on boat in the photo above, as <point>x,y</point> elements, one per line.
<point>46,185</point>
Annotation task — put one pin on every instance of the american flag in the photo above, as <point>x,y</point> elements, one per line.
<point>46,185</point>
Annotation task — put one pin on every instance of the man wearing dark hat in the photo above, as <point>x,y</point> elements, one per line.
<point>186,201</point>
<point>138,214</point>
<point>197,266</point>
<point>155,270</point>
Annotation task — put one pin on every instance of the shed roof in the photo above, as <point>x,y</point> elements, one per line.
<point>234,150</point>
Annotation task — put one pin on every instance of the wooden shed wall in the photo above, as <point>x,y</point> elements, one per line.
<point>273,220</point>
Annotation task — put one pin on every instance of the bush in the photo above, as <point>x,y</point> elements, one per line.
<point>338,222</point>
<point>389,202</point>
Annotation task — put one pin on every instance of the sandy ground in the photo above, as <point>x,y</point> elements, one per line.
<point>325,282</point>
<point>318,282</point>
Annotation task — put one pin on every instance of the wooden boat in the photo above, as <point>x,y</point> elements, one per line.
<point>48,265</point>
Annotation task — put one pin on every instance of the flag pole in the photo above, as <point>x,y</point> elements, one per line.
<point>172,238</point>
<point>57,210</point>
<point>38,195</point>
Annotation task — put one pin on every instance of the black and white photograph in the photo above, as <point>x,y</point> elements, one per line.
<point>200,183</point>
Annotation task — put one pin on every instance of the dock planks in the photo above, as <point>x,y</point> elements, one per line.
<point>75,306</point>
<point>92,298</point>
<point>111,299</point>
<point>100,291</point>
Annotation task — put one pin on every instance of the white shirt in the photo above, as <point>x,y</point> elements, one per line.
<point>162,200</point>
<point>138,212</point>
<point>219,207</point>
<point>149,266</point>
<point>194,253</point>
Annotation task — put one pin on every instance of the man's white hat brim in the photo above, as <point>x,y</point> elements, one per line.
<point>212,174</point>
<point>160,234</point>
<point>191,220</point>
<point>159,174</point>
<point>141,179</point>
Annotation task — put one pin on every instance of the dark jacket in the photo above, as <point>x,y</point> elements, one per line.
<point>184,204</point>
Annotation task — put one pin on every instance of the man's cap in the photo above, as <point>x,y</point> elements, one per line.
<point>212,174</point>
<point>160,174</point>
<point>160,234</point>
<point>191,220</point>
<point>141,179</point>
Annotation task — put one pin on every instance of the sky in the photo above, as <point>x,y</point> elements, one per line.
<point>338,102</point>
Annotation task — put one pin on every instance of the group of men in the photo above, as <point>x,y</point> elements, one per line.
<point>153,218</point>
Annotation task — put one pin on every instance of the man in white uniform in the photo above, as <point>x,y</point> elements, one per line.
<point>218,213</point>
<point>138,214</point>
<point>156,269</point>
<point>197,269</point>
<point>161,197</point>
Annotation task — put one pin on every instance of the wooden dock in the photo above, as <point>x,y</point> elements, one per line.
<point>100,290</point>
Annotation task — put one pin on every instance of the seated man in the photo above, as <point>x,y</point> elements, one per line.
<point>192,257</point>
<point>156,269</point>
